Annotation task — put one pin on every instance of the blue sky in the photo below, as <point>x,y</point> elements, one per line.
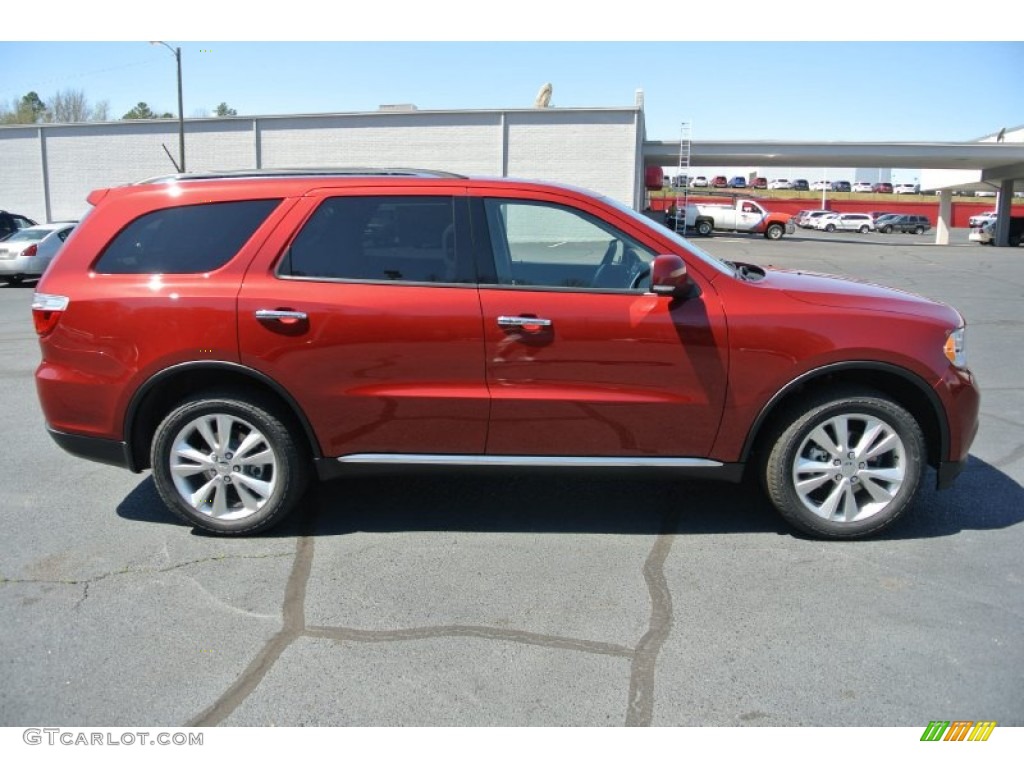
<point>792,88</point>
<point>924,91</point>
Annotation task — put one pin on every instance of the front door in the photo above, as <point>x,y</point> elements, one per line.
<point>581,359</point>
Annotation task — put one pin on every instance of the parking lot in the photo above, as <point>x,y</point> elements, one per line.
<point>529,598</point>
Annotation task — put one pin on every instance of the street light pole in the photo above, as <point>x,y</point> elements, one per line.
<point>181,109</point>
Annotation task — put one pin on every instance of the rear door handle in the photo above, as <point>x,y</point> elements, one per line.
<point>280,314</point>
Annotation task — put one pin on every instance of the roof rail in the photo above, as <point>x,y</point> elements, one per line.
<point>257,173</point>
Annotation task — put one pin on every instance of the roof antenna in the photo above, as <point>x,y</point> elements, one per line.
<point>173,161</point>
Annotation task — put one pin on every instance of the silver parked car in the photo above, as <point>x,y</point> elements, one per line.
<point>28,252</point>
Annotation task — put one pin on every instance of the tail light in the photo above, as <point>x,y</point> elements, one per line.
<point>32,250</point>
<point>46,311</point>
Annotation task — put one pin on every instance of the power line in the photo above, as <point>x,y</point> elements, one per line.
<point>78,75</point>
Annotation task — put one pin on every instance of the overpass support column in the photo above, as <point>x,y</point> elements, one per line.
<point>1003,209</point>
<point>945,217</point>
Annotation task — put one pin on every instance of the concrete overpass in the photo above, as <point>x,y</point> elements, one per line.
<point>992,163</point>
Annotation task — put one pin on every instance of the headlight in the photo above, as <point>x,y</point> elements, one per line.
<point>954,348</point>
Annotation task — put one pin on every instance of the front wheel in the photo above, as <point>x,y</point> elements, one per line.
<point>229,466</point>
<point>886,230</point>
<point>830,227</point>
<point>774,232</point>
<point>864,229</point>
<point>847,465</point>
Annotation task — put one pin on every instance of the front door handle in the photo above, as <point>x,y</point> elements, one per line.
<point>533,324</point>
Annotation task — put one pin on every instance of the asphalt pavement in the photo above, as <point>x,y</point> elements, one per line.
<point>528,598</point>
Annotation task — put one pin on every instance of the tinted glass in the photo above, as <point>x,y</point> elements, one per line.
<point>193,238</point>
<point>541,244</point>
<point>409,239</point>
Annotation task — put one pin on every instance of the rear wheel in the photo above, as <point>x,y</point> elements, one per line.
<point>847,465</point>
<point>918,230</point>
<point>704,227</point>
<point>226,465</point>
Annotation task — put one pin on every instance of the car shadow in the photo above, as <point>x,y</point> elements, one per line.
<point>578,501</point>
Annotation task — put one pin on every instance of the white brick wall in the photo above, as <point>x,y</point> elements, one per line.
<point>595,150</point>
<point>592,148</point>
<point>21,173</point>
<point>468,143</point>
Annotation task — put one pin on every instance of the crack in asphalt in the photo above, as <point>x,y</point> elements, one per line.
<point>640,709</point>
<point>144,571</point>
<point>343,634</point>
<point>292,626</point>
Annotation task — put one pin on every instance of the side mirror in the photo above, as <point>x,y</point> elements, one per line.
<point>669,277</point>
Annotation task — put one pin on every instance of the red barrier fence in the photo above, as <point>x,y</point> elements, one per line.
<point>962,211</point>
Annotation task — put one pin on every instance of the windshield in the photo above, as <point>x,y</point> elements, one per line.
<point>689,246</point>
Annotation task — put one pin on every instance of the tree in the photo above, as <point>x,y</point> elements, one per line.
<point>28,109</point>
<point>68,107</point>
<point>141,111</point>
<point>101,112</point>
<point>223,110</point>
<point>31,107</point>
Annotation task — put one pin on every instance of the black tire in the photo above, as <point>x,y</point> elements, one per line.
<point>774,232</point>
<point>14,280</point>
<point>830,227</point>
<point>864,229</point>
<point>704,227</point>
<point>918,230</point>
<point>845,500</point>
<point>241,494</point>
<point>887,230</point>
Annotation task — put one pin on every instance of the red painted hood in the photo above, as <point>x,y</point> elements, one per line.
<point>844,292</point>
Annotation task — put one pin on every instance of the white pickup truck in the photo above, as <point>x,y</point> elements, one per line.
<point>743,216</point>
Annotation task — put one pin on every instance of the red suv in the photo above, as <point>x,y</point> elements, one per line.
<point>232,332</point>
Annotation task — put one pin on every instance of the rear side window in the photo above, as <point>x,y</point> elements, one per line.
<point>388,238</point>
<point>187,239</point>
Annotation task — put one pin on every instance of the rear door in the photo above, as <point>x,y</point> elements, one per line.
<point>364,307</point>
<point>581,360</point>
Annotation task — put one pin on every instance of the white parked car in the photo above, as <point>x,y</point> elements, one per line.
<point>821,186</point>
<point>700,181</point>
<point>780,184</point>
<point>905,189</point>
<point>28,252</point>
<point>862,186</point>
<point>846,222</point>
<point>980,219</point>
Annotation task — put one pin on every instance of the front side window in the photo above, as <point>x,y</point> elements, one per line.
<point>389,238</point>
<point>183,240</point>
<point>543,244</point>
